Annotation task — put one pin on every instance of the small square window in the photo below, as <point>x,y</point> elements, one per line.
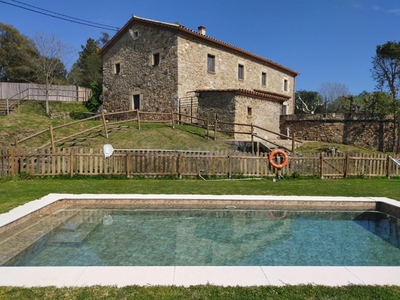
<point>263,79</point>
<point>156,59</point>
<point>285,85</point>
<point>240,71</point>
<point>117,68</point>
<point>211,63</point>
<point>249,111</point>
<point>136,34</point>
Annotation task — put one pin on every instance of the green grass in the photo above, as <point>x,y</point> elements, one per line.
<point>30,118</point>
<point>17,192</point>
<point>204,292</point>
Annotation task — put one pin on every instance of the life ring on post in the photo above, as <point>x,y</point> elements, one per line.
<point>281,153</point>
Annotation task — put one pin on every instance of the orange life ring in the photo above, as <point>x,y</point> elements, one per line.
<point>278,152</point>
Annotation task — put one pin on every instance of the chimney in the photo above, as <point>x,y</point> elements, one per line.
<point>202,30</point>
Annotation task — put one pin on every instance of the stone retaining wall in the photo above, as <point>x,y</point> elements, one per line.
<point>340,128</point>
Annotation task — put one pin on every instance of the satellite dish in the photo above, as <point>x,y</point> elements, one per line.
<point>108,150</point>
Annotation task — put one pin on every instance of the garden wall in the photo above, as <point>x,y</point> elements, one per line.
<point>341,128</point>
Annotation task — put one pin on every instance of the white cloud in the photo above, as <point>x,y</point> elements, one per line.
<point>395,11</point>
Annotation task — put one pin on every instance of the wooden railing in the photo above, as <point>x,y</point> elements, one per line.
<point>212,127</point>
<point>71,161</point>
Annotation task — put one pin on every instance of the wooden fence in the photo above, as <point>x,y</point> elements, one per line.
<point>33,91</point>
<point>71,161</point>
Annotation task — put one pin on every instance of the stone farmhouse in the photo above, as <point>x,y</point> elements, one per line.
<point>155,66</point>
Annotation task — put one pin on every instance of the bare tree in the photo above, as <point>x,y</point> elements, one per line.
<point>333,93</point>
<point>49,66</point>
<point>308,101</point>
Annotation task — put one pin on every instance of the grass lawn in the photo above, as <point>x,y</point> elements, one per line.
<point>14,192</point>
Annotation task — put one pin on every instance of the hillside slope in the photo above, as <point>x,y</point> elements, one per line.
<point>30,118</point>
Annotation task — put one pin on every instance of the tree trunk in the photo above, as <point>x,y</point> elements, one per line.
<point>47,98</point>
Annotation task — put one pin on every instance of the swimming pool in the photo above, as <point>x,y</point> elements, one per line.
<point>230,214</point>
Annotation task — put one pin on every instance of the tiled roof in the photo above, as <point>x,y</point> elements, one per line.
<point>251,93</point>
<point>184,30</point>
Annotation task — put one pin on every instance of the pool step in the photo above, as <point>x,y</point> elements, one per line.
<point>75,230</point>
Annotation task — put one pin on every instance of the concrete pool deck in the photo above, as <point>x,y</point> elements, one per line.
<point>185,275</point>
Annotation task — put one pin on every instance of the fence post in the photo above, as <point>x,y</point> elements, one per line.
<point>215,129</point>
<point>322,165</point>
<point>293,143</point>
<point>104,124</point>
<point>172,118</point>
<point>230,167</point>
<point>252,138</point>
<point>16,142</point>
<point>138,119</point>
<point>53,148</point>
<point>12,161</point>
<point>208,128</point>
<point>179,165</point>
<point>346,165</point>
<point>71,163</point>
<point>388,166</point>
<point>128,161</point>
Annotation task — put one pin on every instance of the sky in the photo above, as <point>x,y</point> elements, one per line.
<point>324,40</point>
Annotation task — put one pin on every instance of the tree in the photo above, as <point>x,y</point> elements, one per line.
<point>386,73</point>
<point>16,54</point>
<point>308,102</point>
<point>386,68</point>
<point>333,93</point>
<point>88,69</point>
<point>48,66</point>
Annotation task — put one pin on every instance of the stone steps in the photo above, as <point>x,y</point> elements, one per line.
<point>75,231</point>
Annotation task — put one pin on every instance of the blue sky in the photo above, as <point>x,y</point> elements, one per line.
<point>323,40</point>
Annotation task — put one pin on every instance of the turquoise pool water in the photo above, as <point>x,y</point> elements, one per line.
<point>222,237</point>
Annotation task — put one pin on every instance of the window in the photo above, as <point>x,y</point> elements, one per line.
<point>249,111</point>
<point>284,110</point>
<point>136,102</point>
<point>285,85</point>
<point>211,63</point>
<point>263,79</point>
<point>156,59</point>
<point>240,71</point>
<point>117,68</point>
<point>134,34</point>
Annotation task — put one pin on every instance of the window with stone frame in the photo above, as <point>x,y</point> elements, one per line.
<point>263,79</point>
<point>285,85</point>
<point>240,71</point>
<point>117,68</point>
<point>249,111</point>
<point>211,63</point>
<point>156,59</point>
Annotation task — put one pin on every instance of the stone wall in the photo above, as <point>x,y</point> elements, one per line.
<point>156,86</point>
<point>235,108</point>
<point>340,128</point>
<point>129,69</point>
<point>264,113</point>
<point>193,74</point>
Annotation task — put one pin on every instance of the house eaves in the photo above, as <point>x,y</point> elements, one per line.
<point>182,29</point>
<point>264,95</point>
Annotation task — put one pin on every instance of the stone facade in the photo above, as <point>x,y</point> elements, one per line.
<point>241,108</point>
<point>154,85</point>
<point>339,128</point>
<point>153,66</point>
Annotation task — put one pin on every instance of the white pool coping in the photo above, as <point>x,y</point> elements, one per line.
<point>185,275</point>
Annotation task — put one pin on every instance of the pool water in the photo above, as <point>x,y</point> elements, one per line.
<point>218,237</point>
